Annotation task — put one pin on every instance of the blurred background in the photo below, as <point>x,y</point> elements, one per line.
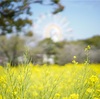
<point>49,31</point>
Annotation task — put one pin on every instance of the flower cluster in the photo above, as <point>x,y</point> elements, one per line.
<point>50,82</point>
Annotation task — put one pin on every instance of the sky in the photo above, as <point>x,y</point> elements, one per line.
<point>83,16</point>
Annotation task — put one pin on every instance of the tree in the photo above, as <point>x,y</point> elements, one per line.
<point>46,47</point>
<point>60,6</point>
<point>49,47</point>
<point>65,55</point>
<point>11,11</point>
<point>12,48</point>
<point>94,41</point>
<point>11,21</point>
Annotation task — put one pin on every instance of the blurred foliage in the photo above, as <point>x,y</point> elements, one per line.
<point>65,50</point>
<point>11,48</point>
<point>55,1</point>
<point>50,47</point>
<point>10,12</point>
<point>14,14</point>
<point>30,34</point>
<point>95,41</point>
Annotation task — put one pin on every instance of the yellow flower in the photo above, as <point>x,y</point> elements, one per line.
<point>4,85</point>
<point>15,92</point>
<point>96,98</point>
<point>74,57</point>
<point>35,94</point>
<point>89,90</point>
<point>74,96</point>
<point>64,98</point>
<point>87,48</point>
<point>40,88</point>
<point>47,73</point>
<point>57,95</point>
<point>93,79</point>
<point>74,62</point>
<point>0,96</point>
<point>2,80</point>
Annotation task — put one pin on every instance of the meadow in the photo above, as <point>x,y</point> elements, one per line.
<point>72,81</point>
<point>49,40</point>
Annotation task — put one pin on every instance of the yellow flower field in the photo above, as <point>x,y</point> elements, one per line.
<point>72,81</point>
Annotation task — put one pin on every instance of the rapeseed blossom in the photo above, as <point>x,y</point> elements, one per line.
<point>50,82</point>
<point>74,96</point>
<point>93,79</point>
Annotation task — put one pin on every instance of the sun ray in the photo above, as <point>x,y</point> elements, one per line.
<point>55,27</point>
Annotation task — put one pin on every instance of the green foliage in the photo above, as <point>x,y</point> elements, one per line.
<point>10,12</point>
<point>63,52</point>
<point>51,47</point>
<point>30,34</point>
<point>11,48</point>
<point>60,44</point>
<point>95,41</point>
<point>55,1</point>
<point>48,46</point>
